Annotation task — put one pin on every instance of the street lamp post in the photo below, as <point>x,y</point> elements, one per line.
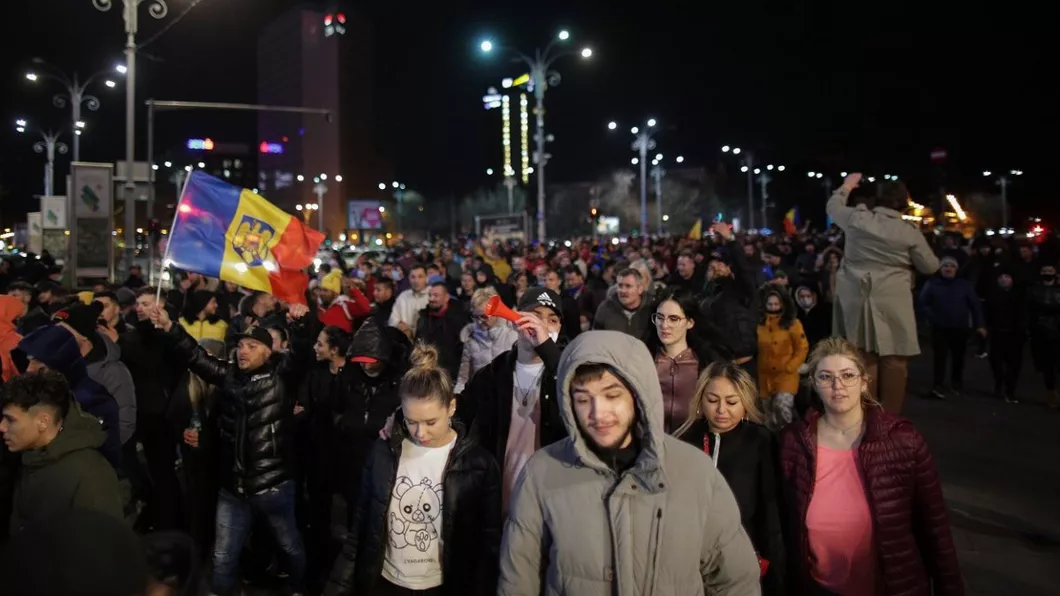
<point>48,145</point>
<point>509,183</point>
<point>320,190</point>
<point>748,162</point>
<point>541,78</point>
<point>158,9</point>
<point>75,96</point>
<point>1003,181</point>
<point>642,144</point>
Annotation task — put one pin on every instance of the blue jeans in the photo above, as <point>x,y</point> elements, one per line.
<point>234,516</point>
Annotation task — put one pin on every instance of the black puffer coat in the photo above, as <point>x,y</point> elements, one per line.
<point>731,304</point>
<point>471,520</point>
<point>257,418</point>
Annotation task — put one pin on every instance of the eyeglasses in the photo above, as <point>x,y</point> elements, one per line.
<point>846,379</point>
<point>658,318</point>
<point>482,318</point>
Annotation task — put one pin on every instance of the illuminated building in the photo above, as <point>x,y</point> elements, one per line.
<point>318,58</point>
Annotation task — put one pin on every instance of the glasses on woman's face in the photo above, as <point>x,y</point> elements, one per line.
<point>659,318</point>
<point>481,318</point>
<point>827,379</point>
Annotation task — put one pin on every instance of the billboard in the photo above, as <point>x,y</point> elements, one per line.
<point>53,213</point>
<point>362,214</point>
<point>607,226</point>
<point>501,227</point>
<point>93,190</point>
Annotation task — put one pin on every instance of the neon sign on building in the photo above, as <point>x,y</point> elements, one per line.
<point>334,24</point>
<point>200,144</point>
<point>266,147</point>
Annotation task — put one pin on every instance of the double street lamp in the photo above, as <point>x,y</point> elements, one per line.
<point>1003,181</point>
<point>75,95</point>
<point>657,173</point>
<point>49,145</point>
<point>643,142</point>
<point>399,198</point>
<point>541,78</point>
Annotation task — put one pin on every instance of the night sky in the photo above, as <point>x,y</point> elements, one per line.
<point>813,85</point>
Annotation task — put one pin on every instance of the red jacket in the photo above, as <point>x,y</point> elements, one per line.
<point>910,525</point>
<point>343,311</point>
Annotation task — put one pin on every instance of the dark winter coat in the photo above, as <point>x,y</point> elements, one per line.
<point>911,529</point>
<point>56,348</point>
<point>612,316</point>
<point>951,303</point>
<point>68,473</point>
<point>257,420</point>
<point>731,304</point>
<point>1006,311</point>
<point>1043,313</point>
<point>443,331</point>
<point>144,353</point>
<point>471,520</point>
<point>486,403</point>
<point>749,459</point>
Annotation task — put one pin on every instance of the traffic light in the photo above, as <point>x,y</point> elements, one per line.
<point>593,211</point>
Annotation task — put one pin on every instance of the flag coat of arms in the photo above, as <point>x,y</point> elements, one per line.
<point>233,234</point>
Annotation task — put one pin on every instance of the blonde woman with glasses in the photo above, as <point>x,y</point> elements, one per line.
<point>864,503</point>
<point>726,423</point>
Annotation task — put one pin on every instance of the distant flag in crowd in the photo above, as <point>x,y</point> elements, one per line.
<point>697,230</point>
<point>231,233</point>
<point>791,221</point>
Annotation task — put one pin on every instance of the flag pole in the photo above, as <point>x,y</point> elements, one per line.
<point>172,228</point>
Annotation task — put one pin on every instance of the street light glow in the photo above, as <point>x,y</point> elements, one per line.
<point>743,169</point>
<point>382,186</point>
<point>564,35</point>
<point>587,53</point>
<point>31,76</point>
<point>654,162</point>
<point>323,176</point>
<point>811,174</point>
<point>79,124</point>
<point>651,121</point>
<point>658,156</point>
<point>187,168</point>
<point>338,177</point>
<point>121,68</point>
<point>736,151</point>
<point>680,159</point>
<point>395,185</point>
<point>843,174</point>
<point>382,209</point>
<point>300,178</point>
<point>169,164</point>
<point>758,170</point>
<point>110,83</point>
<point>1017,172</point>
<point>770,167</point>
<point>634,161</point>
<point>634,130</point>
<point>820,175</point>
<point>780,168</point>
<point>489,171</point>
<point>20,122</point>
<point>487,46</point>
<point>725,149</point>
<point>612,125</point>
<point>154,167</point>
<point>987,172</point>
<point>202,165</point>
<point>77,132</point>
<point>666,217</point>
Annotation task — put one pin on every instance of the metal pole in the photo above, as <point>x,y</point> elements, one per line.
<point>151,187</point>
<point>510,183</point>
<point>75,99</point>
<point>749,161</point>
<point>643,146</point>
<point>130,130</point>
<point>1003,183</point>
<point>320,190</point>
<point>539,142</point>
<point>763,180</point>
<point>657,171</point>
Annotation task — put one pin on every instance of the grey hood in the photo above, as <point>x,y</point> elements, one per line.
<point>628,358</point>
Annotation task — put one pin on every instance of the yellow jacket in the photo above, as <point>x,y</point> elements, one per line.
<point>204,329</point>
<point>780,354</point>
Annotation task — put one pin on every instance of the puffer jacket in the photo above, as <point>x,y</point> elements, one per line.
<point>911,530</point>
<point>105,367</point>
<point>471,519</point>
<point>482,346</point>
<point>667,526</point>
<point>731,302</point>
<point>10,310</point>
<point>257,419</point>
<point>782,348</point>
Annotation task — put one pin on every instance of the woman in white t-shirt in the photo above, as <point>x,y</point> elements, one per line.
<point>428,518</point>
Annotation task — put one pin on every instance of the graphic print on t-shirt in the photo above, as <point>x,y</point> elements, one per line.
<point>420,506</point>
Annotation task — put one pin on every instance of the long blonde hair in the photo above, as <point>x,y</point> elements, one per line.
<point>838,346</point>
<point>741,381</point>
<point>200,393</point>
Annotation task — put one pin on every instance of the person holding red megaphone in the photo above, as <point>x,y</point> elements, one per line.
<point>512,401</point>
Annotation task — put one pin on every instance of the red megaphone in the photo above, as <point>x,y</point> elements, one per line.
<point>496,308</point>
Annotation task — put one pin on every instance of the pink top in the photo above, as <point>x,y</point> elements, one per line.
<point>839,527</point>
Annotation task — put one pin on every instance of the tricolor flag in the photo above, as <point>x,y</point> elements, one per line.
<point>233,234</point>
<point>791,221</point>
<point>696,233</point>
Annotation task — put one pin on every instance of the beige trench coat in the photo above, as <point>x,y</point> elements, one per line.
<point>873,305</point>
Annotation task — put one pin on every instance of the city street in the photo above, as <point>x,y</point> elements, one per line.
<point>1001,477</point>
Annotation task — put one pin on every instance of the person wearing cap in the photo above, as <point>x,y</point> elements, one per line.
<point>103,359</point>
<point>257,444</point>
<point>950,303</point>
<point>511,402</point>
<point>873,302</point>
<point>337,309</point>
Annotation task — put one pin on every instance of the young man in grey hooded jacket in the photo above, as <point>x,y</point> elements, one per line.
<point>619,507</point>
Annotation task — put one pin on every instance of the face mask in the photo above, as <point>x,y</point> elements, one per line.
<point>360,273</point>
<point>395,275</point>
<point>806,302</point>
<point>553,335</point>
<point>774,311</point>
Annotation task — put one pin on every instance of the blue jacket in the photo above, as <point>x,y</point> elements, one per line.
<point>951,303</point>
<point>56,348</point>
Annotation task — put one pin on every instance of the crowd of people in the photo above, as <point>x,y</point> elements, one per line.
<point>714,415</point>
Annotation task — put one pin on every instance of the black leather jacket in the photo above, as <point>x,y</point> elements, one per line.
<point>471,520</point>
<point>257,418</point>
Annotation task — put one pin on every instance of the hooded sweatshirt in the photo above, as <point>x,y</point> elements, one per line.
<point>68,473</point>
<point>212,327</point>
<point>666,525</point>
<point>56,348</point>
<point>10,310</point>
<point>105,366</point>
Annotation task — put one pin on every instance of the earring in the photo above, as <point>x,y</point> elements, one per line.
<point>450,423</point>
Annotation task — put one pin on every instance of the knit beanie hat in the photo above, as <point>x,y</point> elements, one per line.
<point>82,318</point>
<point>949,259</point>
<point>332,281</point>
